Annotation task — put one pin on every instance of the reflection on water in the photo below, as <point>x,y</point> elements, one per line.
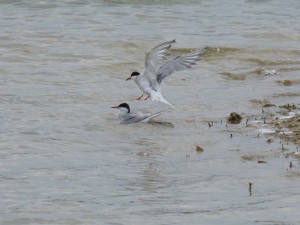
<point>65,159</point>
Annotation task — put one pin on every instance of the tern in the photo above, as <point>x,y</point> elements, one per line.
<point>157,68</point>
<point>127,117</point>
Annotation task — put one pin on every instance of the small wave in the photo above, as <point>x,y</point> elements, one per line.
<point>222,51</point>
<point>232,76</point>
<point>287,94</point>
<point>265,62</point>
<point>273,36</point>
<point>148,2</point>
<point>289,82</point>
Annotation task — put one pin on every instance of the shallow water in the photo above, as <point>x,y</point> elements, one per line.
<point>65,159</point>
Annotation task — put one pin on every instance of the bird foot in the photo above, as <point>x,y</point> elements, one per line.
<point>139,98</point>
<point>147,97</point>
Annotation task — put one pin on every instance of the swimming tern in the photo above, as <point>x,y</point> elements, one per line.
<point>127,117</point>
<point>157,68</point>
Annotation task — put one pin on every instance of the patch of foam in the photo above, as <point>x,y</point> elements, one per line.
<point>266,131</point>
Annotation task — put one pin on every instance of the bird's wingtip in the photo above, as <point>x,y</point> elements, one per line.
<point>201,51</point>
<point>204,49</point>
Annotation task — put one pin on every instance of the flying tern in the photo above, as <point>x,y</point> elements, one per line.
<point>127,117</point>
<point>157,67</point>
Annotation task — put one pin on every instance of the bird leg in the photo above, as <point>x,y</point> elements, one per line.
<point>147,97</point>
<point>139,98</point>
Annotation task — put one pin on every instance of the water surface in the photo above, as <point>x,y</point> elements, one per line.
<point>65,159</point>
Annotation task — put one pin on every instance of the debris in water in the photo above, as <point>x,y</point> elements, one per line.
<point>291,164</point>
<point>261,161</point>
<point>250,188</point>
<point>234,118</point>
<point>288,106</point>
<point>288,128</point>
<point>269,140</point>
<point>199,149</point>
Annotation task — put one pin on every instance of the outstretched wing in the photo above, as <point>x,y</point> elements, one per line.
<point>179,63</point>
<point>150,117</point>
<point>156,57</point>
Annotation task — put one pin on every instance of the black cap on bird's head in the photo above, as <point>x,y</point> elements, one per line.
<point>122,105</point>
<point>134,74</point>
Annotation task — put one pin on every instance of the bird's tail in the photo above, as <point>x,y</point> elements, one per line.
<point>157,96</point>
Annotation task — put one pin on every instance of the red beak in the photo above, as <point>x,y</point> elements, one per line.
<point>115,107</point>
<point>129,78</point>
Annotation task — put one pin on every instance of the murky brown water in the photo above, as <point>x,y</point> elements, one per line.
<point>65,159</point>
